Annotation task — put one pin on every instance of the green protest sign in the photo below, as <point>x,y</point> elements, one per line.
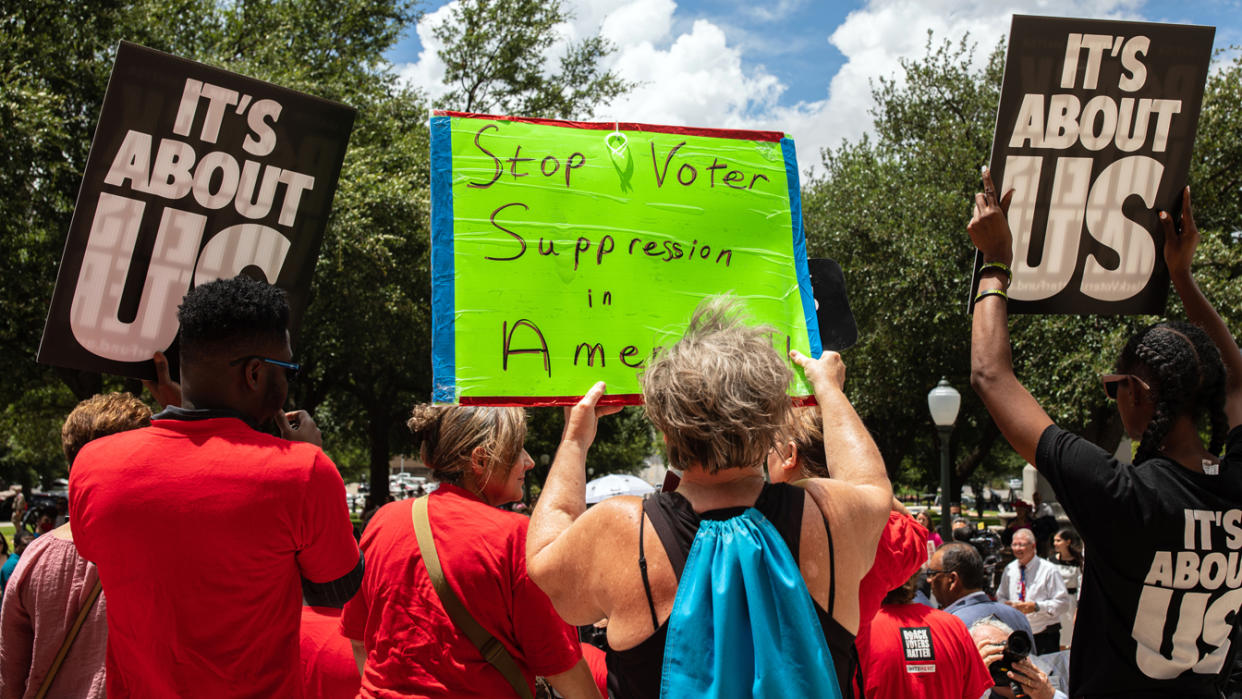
<point>563,253</point>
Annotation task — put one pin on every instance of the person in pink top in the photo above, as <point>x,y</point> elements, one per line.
<point>933,539</point>
<point>52,583</point>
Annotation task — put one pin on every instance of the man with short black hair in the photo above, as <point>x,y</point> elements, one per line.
<point>202,526</point>
<point>956,576</point>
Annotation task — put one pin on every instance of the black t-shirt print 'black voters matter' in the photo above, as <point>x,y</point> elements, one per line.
<point>1163,580</point>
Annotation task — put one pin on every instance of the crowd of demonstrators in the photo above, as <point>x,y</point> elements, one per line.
<point>1178,493</point>
<point>407,633</point>
<point>957,580</point>
<point>800,454</point>
<point>202,526</point>
<point>1016,674</point>
<point>1033,586</point>
<point>718,396</point>
<point>204,531</point>
<point>916,651</point>
<point>54,600</point>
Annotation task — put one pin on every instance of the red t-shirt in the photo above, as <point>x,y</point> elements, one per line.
<point>413,648</point>
<point>328,667</point>
<point>916,651</point>
<point>200,529</point>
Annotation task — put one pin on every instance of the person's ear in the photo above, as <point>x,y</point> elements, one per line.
<point>789,463</point>
<point>250,374</point>
<point>478,461</point>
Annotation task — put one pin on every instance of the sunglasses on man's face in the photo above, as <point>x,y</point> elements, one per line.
<point>291,368</point>
<point>1112,381</point>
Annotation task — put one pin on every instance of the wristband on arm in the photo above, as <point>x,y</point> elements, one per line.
<point>991,292</point>
<point>1000,267</point>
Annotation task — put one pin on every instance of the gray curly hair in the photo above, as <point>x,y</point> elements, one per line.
<point>719,393</point>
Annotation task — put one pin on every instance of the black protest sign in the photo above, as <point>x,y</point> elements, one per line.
<point>837,329</point>
<point>1094,133</point>
<point>194,174</point>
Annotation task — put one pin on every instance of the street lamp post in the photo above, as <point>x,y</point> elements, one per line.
<point>943,401</point>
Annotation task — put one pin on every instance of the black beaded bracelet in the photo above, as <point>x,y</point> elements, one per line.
<point>992,292</point>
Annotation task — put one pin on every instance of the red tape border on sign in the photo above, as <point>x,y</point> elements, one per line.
<point>740,134</point>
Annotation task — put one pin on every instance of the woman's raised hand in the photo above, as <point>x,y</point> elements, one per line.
<point>582,418</point>
<point>827,371</point>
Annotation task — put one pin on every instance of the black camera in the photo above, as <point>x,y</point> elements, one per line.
<point>1017,647</point>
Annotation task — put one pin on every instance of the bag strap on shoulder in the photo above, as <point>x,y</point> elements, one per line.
<point>491,649</point>
<point>70,636</point>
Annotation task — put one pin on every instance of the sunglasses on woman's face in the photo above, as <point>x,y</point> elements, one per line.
<point>1112,381</point>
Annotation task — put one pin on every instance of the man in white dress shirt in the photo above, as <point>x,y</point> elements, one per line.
<point>1034,587</point>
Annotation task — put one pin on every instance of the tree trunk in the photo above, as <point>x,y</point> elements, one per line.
<point>379,422</point>
<point>965,468</point>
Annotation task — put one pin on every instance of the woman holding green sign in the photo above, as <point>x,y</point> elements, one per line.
<point>728,586</point>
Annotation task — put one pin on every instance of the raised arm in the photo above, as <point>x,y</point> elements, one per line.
<point>557,552</point>
<point>853,456</point>
<point>1179,250</point>
<point>859,480</point>
<point>1014,409</point>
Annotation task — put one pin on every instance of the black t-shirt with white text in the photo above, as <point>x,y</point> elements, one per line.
<point>1162,583</point>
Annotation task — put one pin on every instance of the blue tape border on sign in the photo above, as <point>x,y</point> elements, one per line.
<point>443,300</point>
<point>799,246</point>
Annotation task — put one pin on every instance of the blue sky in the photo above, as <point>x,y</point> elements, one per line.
<point>801,66</point>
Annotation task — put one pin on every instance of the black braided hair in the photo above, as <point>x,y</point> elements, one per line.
<point>1189,380</point>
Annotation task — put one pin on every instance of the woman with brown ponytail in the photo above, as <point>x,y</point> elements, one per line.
<point>405,642</point>
<point>1160,597</point>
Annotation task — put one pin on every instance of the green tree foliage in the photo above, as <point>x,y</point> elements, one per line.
<point>892,210</point>
<point>366,334</point>
<point>622,442</point>
<point>56,59</point>
<point>494,54</point>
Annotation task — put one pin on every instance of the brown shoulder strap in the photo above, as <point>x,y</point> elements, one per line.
<point>69,638</point>
<point>493,651</point>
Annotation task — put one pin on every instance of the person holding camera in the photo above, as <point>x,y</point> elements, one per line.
<point>1016,673</point>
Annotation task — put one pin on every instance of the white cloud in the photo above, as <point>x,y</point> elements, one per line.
<point>427,73</point>
<point>703,77</point>
<point>875,38</point>
<point>699,81</point>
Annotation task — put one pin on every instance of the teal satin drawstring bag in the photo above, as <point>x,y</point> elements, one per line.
<point>743,624</point>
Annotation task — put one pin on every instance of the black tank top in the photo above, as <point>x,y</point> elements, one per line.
<point>636,672</point>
